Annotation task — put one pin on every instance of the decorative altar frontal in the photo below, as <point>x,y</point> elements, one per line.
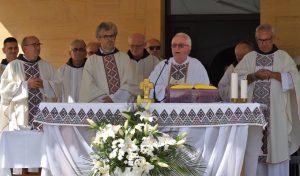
<point>168,114</point>
<point>224,133</point>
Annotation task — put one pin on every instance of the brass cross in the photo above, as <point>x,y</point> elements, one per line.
<point>146,86</point>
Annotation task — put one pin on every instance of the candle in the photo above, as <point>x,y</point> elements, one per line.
<point>234,85</point>
<point>244,85</point>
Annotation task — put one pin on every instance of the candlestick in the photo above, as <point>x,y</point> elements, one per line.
<point>234,86</point>
<point>244,86</point>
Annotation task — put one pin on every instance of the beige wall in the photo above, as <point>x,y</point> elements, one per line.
<point>285,17</point>
<point>57,22</point>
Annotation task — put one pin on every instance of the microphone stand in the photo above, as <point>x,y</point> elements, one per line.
<point>154,91</point>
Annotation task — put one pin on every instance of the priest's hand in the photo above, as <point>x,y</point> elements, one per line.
<point>107,99</point>
<point>273,75</point>
<point>35,83</point>
<point>262,74</point>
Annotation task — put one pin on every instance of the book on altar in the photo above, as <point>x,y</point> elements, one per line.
<point>187,93</point>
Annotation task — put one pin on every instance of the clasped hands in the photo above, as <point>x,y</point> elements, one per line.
<point>263,74</point>
<point>35,83</point>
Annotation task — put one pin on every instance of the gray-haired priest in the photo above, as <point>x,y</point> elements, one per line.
<point>273,80</point>
<point>25,83</point>
<point>106,74</point>
<point>71,72</point>
<point>142,62</point>
<point>179,69</point>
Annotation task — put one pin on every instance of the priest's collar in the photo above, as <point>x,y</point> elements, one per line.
<point>101,53</point>
<point>274,49</point>
<point>70,63</point>
<point>145,54</point>
<point>23,58</point>
<point>4,62</point>
<point>174,61</point>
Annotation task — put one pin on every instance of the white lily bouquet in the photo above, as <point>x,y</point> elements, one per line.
<point>137,148</point>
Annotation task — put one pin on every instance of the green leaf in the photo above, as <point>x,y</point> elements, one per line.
<point>126,115</point>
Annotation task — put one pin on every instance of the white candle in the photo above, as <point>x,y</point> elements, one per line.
<point>244,85</point>
<point>234,85</point>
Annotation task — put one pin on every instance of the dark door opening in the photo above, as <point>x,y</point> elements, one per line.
<point>211,34</point>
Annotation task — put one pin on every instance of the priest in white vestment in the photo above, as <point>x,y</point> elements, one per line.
<point>142,62</point>
<point>240,50</point>
<point>71,72</point>
<point>71,137</point>
<point>107,74</point>
<point>273,80</point>
<point>11,50</point>
<point>179,69</point>
<point>25,83</point>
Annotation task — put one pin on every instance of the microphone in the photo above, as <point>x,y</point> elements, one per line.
<point>154,91</point>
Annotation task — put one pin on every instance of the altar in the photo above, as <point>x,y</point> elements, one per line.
<point>219,131</point>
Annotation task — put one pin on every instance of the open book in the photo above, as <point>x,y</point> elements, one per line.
<point>196,86</point>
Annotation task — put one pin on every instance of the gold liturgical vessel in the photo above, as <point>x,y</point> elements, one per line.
<point>146,86</point>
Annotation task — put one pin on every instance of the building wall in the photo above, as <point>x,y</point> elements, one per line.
<point>285,17</point>
<point>58,22</point>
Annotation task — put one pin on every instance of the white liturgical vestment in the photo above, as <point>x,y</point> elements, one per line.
<point>169,72</point>
<point>19,101</point>
<point>142,68</point>
<point>106,75</point>
<point>4,120</point>
<point>283,136</point>
<point>71,81</point>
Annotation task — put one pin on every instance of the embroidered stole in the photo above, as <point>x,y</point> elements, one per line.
<point>261,92</point>
<point>35,96</point>
<point>112,74</point>
<point>178,74</point>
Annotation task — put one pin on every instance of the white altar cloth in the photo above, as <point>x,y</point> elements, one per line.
<point>221,132</point>
<point>20,149</point>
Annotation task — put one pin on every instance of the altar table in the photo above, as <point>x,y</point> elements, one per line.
<point>222,132</point>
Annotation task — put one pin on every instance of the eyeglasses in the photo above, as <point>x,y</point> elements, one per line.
<point>113,36</point>
<point>78,49</point>
<point>34,44</point>
<point>154,48</point>
<point>261,41</point>
<point>179,45</point>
